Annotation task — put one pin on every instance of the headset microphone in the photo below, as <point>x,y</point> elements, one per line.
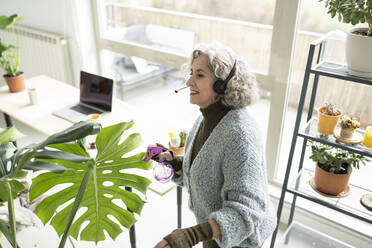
<point>176,91</point>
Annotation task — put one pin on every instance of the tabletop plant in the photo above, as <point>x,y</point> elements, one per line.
<point>351,11</point>
<point>358,43</point>
<point>333,168</point>
<point>177,142</point>
<point>348,125</point>
<point>9,54</point>
<point>15,162</point>
<point>336,160</point>
<point>328,116</point>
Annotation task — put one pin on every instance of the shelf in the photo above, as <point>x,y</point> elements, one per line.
<point>349,205</point>
<point>335,70</point>
<point>311,132</point>
<point>298,235</point>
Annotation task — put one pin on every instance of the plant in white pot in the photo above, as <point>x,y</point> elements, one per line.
<point>9,55</point>
<point>359,39</point>
<point>333,168</point>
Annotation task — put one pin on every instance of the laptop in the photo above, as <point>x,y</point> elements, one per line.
<point>95,97</point>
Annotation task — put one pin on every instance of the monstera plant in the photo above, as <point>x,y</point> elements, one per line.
<point>14,163</point>
<point>94,182</point>
<point>94,185</point>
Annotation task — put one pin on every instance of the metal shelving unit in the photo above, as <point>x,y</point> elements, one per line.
<point>300,186</point>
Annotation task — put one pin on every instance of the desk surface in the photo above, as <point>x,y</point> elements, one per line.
<point>53,95</point>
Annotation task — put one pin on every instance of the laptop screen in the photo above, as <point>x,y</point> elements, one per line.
<point>96,91</point>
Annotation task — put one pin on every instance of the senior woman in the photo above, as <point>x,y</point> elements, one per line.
<point>223,168</point>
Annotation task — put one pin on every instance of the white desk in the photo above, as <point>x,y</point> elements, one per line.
<point>53,95</point>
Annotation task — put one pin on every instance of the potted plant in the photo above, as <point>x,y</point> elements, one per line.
<point>359,40</point>
<point>333,167</point>
<point>9,56</point>
<point>328,116</point>
<point>21,160</point>
<point>65,152</point>
<point>348,125</point>
<point>177,143</point>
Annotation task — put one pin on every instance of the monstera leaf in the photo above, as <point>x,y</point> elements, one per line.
<point>95,184</point>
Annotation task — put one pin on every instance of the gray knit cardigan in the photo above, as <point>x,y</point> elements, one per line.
<point>227,181</point>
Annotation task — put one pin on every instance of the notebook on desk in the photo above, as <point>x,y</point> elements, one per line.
<point>95,97</point>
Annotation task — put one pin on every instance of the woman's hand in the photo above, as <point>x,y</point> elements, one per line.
<point>162,244</point>
<point>167,154</point>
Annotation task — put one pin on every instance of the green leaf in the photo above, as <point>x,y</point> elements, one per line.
<point>60,155</point>
<point>8,22</point>
<point>21,174</point>
<point>43,165</point>
<point>5,230</point>
<point>9,135</point>
<point>98,196</point>
<point>15,186</point>
<point>7,149</point>
<point>76,149</point>
<point>111,137</point>
<point>75,132</point>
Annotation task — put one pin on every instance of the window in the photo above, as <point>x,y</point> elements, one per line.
<point>313,23</point>
<point>132,28</point>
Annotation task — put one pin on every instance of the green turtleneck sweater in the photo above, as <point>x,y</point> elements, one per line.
<point>211,117</point>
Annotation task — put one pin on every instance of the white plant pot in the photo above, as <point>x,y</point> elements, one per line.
<point>359,54</point>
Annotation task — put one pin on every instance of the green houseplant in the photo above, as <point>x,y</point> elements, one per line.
<point>177,143</point>
<point>9,55</point>
<point>65,153</point>
<point>333,167</point>
<point>359,40</point>
<point>15,162</point>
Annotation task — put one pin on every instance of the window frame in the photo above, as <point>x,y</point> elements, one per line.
<point>276,81</point>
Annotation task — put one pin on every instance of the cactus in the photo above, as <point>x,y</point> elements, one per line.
<point>183,135</point>
<point>330,109</point>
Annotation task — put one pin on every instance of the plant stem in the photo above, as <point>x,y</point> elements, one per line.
<point>4,230</point>
<point>77,201</point>
<point>12,221</point>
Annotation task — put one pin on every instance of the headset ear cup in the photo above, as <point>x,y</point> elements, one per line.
<point>219,86</point>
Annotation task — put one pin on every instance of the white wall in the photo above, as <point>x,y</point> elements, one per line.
<point>70,18</point>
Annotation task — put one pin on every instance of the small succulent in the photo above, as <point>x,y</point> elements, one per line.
<point>183,135</point>
<point>330,109</point>
<point>348,121</point>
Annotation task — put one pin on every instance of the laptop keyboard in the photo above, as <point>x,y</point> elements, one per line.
<point>85,110</point>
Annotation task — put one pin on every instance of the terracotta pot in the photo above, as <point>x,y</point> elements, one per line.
<point>347,132</point>
<point>176,150</point>
<point>17,83</point>
<point>329,183</point>
<point>327,123</point>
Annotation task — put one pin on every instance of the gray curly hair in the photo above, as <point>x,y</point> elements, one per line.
<point>242,89</point>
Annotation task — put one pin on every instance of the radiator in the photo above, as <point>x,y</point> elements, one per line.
<point>41,53</point>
